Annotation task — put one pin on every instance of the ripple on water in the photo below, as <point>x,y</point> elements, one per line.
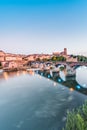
<point>70,98</point>
<point>64,119</point>
<point>19,124</point>
<point>49,109</point>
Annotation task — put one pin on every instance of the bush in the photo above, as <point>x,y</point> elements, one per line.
<point>77,119</point>
<point>0,65</point>
<point>62,68</point>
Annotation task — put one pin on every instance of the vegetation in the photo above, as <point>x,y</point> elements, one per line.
<point>0,65</point>
<point>58,58</point>
<point>82,58</point>
<point>38,59</point>
<point>62,68</point>
<point>77,119</point>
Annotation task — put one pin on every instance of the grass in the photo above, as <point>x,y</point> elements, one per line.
<point>77,119</point>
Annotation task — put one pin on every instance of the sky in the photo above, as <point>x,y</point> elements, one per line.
<point>43,26</point>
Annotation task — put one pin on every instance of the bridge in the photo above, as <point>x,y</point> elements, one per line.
<point>33,69</point>
<point>74,65</point>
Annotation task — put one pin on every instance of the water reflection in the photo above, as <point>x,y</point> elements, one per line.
<point>32,103</point>
<point>71,89</point>
<point>77,83</point>
<point>81,76</point>
<point>54,83</point>
<point>7,75</point>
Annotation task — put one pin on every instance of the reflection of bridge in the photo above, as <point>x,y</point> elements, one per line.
<point>71,83</point>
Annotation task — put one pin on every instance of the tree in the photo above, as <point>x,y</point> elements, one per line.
<point>58,58</point>
<point>0,64</point>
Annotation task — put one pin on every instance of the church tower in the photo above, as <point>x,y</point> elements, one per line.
<point>65,51</point>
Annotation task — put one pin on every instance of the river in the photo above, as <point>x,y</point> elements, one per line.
<point>29,101</point>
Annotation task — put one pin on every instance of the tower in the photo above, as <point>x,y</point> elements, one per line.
<point>65,51</point>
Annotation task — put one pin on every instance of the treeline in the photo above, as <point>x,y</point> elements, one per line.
<point>58,58</point>
<point>54,58</point>
<point>82,58</point>
<point>62,58</point>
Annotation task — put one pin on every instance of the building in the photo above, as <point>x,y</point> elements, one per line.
<point>12,57</point>
<point>10,65</point>
<point>44,56</point>
<point>63,53</point>
<point>56,53</point>
<point>29,58</point>
<point>2,53</point>
<point>71,59</point>
<point>2,56</point>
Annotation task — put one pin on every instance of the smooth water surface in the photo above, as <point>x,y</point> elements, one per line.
<point>31,102</point>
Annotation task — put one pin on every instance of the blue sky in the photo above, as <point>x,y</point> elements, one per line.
<point>43,26</point>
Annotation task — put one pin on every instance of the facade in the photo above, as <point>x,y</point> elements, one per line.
<point>71,59</point>
<point>2,53</point>
<point>63,53</point>
<point>56,53</point>
<point>29,58</point>
<point>2,56</point>
<point>12,57</point>
<point>44,56</point>
<point>10,65</point>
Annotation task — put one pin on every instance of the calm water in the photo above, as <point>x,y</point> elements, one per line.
<point>29,101</point>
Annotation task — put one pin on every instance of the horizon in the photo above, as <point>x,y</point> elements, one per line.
<point>46,26</point>
<point>80,54</point>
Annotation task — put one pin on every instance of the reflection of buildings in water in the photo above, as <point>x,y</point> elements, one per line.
<point>81,76</point>
<point>24,72</point>
<point>5,75</point>
<point>18,73</point>
<point>54,84</point>
<point>40,77</point>
<point>31,72</point>
<point>48,79</point>
<point>71,89</point>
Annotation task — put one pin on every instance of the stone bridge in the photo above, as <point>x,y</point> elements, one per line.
<point>72,64</point>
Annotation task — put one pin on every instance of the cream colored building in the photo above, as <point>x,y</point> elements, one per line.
<point>12,65</point>
<point>29,58</point>
<point>10,58</point>
<point>71,59</point>
<point>1,58</point>
<point>44,57</point>
<point>13,57</point>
